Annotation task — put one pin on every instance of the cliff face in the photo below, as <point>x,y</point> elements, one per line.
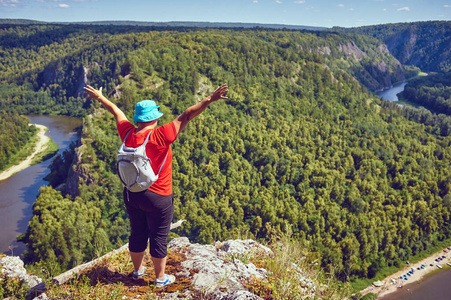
<point>352,50</point>
<point>374,67</point>
<point>73,84</point>
<point>426,45</point>
<point>402,45</point>
<point>75,172</point>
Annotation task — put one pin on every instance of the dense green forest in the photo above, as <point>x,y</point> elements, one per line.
<point>426,45</point>
<point>300,141</point>
<point>14,135</point>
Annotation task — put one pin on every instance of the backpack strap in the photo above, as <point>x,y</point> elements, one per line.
<point>163,163</point>
<point>145,143</point>
<point>127,135</point>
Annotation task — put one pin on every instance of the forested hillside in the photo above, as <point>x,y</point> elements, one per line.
<point>299,141</point>
<point>426,45</point>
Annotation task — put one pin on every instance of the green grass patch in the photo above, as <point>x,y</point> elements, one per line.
<point>362,283</point>
<point>422,74</point>
<point>293,272</point>
<point>49,152</point>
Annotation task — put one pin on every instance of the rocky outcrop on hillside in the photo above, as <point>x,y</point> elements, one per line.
<point>82,81</point>
<point>378,76</point>
<point>74,175</point>
<point>351,49</point>
<point>377,73</point>
<point>13,267</point>
<point>78,172</point>
<point>426,45</point>
<point>371,64</point>
<point>220,272</point>
<point>54,73</point>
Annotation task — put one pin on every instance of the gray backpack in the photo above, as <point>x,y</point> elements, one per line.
<point>134,167</point>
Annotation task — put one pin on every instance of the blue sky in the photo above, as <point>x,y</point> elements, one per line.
<point>326,13</point>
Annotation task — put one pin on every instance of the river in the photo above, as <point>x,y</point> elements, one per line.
<point>19,192</point>
<point>391,93</point>
<point>434,287</point>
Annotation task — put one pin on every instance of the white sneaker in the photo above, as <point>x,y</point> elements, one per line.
<point>167,280</point>
<point>138,274</point>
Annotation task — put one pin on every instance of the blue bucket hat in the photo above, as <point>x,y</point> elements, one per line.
<point>146,111</point>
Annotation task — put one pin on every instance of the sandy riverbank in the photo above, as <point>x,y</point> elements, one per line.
<point>391,286</point>
<point>41,145</point>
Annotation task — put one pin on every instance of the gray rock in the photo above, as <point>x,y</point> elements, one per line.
<point>37,291</point>
<point>220,268</point>
<point>240,295</point>
<point>13,266</point>
<point>41,297</point>
<point>242,247</point>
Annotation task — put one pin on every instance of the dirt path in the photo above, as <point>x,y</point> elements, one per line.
<point>391,286</point>
<point>41,145</point>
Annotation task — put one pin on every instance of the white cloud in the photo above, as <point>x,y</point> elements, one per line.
<point>351,9</point>
<point>384,9</point>
<point>255,1</point>
<point>447,5</point>
<point>279,2</point>
<point>10,3</point>
<point>63,5</point>
<point>403,8</point>
<point>341,5</point>
<point>299,2</point>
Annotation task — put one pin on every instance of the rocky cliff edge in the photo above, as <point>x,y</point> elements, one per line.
<point>219,271</point>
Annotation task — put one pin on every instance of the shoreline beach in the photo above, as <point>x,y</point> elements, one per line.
<point>41,145</point>
<point>393,282</point>
<point>434,286</point>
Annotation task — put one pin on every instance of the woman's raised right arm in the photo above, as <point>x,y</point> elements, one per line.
<point>109,106</point>
<point>193,111</point>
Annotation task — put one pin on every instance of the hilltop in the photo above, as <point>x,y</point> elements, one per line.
<point>177,24</point>
<point>230,270</point>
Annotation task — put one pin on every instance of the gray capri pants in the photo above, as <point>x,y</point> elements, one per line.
<point>150,217</point>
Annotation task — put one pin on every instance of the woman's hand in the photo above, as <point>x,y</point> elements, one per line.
<point>110,106</point>
<point>219,93</point>
<point>93,93</point>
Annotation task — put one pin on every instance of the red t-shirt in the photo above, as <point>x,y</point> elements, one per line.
<point>158,145</point>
